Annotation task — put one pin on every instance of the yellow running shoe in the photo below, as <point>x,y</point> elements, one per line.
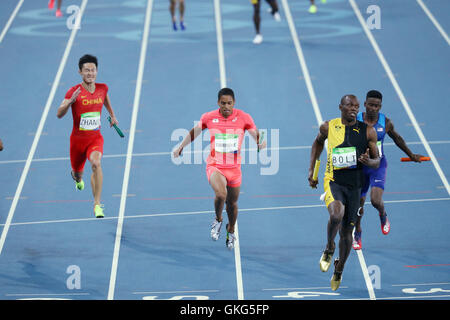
<point>98,211</point>
<point>336,278</point>
<point>312,9</point>
<point>325,260</point>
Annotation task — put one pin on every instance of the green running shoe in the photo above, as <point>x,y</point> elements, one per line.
<point>312,9</point>
<point>79,185</point>
<point>98,211</point>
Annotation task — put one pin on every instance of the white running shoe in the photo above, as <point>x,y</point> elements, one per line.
<point>258,39</point>
<point>215,229</point>
<point>277,17</point>
<point>231,239</point>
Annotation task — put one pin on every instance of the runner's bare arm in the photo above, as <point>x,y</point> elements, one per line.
<point>400,142</point>
<point>316,151</point>
<point>371,157</point>
<point>110,110</point>
<point>194,133</point>
<point>256,136</point>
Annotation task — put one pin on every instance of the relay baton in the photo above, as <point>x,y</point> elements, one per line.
<point>117,128</point>
<point>409,159</point>
<point>316,170</point>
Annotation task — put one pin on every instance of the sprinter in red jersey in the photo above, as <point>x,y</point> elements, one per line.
<point>86,142</point>
<point>226,127</point>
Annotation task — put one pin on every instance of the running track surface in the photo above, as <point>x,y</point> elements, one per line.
<point>154,241</point>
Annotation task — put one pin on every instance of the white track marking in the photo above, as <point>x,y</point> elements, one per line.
<point>126,175</point>
<point>138,216</point>
<point>223,84</point>
<point>319,118</point>
<point>10,20</point>
<point>168,153</point>
<point>400,95</point>
<point>435,22</point>
<point>39,130</point>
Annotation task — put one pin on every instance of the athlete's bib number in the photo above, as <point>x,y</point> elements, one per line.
<point>90,121</point>
<point>226,142</point>
<point>344,157</point>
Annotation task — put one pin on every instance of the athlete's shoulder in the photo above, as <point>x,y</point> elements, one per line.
<point>211,114</point>
<point>242,113</point>
<point>334,122</point>
<point>102,86</point>
<point>207,116</point>
<point>75,87</point>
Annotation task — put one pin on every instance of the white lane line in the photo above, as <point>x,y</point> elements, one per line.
<point>400,95</point>
<point>435,22</point>
<point>320,120</point>
<point>407,109</point>
<point>220,50</point>
<point>168,153</point>
<point>188,291</point>
<point>39,130</point>
<point>301,58</point>
<point>223,84</point>
<point>420,284</point>
<point>126,177</point>
<point>137,216</point>
<point>45,294</point>
<point>10,20</point>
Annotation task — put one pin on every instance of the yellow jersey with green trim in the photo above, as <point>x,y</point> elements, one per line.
<point>345,145</point>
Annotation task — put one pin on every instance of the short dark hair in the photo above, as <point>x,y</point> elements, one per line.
<point>225,92</point>
<point>374,94</point>
<point>87,58</point>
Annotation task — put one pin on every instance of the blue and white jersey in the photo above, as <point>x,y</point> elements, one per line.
<point>380,128</point>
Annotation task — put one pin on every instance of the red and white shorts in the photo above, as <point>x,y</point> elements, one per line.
<point>233,175</point>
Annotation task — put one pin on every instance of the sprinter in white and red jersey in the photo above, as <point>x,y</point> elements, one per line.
<point>227,127</point>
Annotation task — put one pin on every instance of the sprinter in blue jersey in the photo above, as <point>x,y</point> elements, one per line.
<point>376,178</point>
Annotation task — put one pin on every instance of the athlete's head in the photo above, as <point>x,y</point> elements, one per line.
<point>373,103</point>
<point>349,107</point>
<point>88,68</point>
<point>226,101</point>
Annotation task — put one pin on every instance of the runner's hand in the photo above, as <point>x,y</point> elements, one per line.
<point>312,183</point>
<point>75,95</point>
<point>416,157</point>
<point>113,121</point>
<point>177,152</point>
<point>262,145</point>
<point>364,158</point>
